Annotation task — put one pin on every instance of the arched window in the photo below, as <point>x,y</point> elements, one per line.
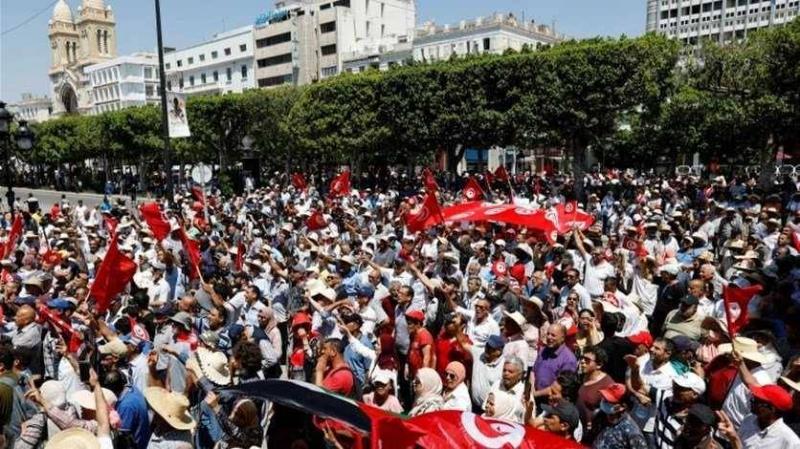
<point>99,41</point>
<point>105,41</point>
<point>74,51</point>
<point>66,45</point>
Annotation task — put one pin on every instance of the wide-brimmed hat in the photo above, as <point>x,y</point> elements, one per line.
<point>85,398</point>
<point>173,407</point>
<point>75,438</point>
<point>213,365</point>
<point>746,347</point>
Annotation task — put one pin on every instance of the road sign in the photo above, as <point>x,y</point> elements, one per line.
<point>201,174</point>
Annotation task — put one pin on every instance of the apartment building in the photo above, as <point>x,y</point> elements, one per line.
<point>123,82</point>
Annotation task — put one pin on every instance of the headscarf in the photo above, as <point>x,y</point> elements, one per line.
<point>429,398</point>
<point>272,323</point>
<point>504,405</point>
<point>458,369</point>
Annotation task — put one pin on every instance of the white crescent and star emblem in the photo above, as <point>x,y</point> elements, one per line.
<point>494,211</point>
<point>501,267</point>
<point>631,245</point>
<point>569,208</point>
<point>504,434</point>
<point>470,193</point>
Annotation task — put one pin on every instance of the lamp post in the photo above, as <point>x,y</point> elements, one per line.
<point>24,140</point>
<point>164,121</point>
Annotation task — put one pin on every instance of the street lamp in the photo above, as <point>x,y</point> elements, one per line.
<point>24,140</point>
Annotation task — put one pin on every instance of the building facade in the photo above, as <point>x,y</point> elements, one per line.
<point>75,44</point>
<point>719,20</point>
<point>494,34</point>
<point>123,82</point>
<point>221,65</point>
<point>305,41</point>
<point>33,109</point>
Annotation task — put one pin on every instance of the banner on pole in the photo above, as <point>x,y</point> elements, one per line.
<point>176,116</point>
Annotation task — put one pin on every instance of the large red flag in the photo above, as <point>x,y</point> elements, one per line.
<point>111,223</point>
<point>155,220</point>
<point>454,429</point>
<point>192,249</point>
<point>340,186</point>
<point>428,214</point>
<point>501,174</point>
<point>635,246</point>
<point>13,235</point>
<point>198,194</point>
<point>472,190</point>
<point>112,276</point>
<point>299,181</point>
<point>429,181</point>
<point>316,221</point>
<point>240,250</point>
<point>737,298</point>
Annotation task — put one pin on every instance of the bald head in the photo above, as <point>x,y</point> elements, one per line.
<point>556,334</point>
<point>25,316</point>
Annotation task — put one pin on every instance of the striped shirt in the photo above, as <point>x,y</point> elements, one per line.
<point>667,425</point>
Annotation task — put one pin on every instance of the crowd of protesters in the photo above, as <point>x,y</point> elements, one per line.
<point>617,336</point>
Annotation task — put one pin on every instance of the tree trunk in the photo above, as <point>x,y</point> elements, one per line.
<point>578,152</point>
<point>766,180</point>
<point>454,156</point>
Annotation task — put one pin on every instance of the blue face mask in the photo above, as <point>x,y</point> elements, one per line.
<point>607,407</point>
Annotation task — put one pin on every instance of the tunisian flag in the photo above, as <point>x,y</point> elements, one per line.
<point>155,220</point>
<point>429,181</point>
<point>298,181</point>
<point>316,221</point>
<point>429,214</point>
<point>113,275</point>
<point>736,300</point>
<point>635,246</point>
<point>198,194</point>
<point>192,253</point>
<point>340,186</point>
<point>454,429</point>
<point>13,236</point>
<point>501,174</point>
<point>472,190</point>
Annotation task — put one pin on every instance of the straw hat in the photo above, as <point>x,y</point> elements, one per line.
<point>85,398</point>
<point>747,348</point>
<point>213,365</point>
<point>173,407</point>
<point>75,438</point>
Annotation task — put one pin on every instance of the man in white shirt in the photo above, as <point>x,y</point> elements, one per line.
<point>737,403</point>
<point>487,368</point>
<point>480,325</point>
<point>649,381</point>
<point>573,284</point>
<point>596,268</point>
<point>764,427</point>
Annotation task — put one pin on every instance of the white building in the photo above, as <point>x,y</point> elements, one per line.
<point>719,20</point>
<point>494,34</point>
<point>221,65</point>
<point>123,82</point>
<point>33,109</point>
<point>304,41</point>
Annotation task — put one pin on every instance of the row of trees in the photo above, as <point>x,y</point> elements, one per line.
<point>634,98</point>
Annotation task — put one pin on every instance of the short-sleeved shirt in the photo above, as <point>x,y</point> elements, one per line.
<point>419,340</point>
<point>132,410</point>
<point>551,362</point>
<point>339,380</point>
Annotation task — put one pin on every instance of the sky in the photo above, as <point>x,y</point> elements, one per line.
<point>25,52</point>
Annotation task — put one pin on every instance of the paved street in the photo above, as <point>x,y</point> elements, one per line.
<point>48,197</point>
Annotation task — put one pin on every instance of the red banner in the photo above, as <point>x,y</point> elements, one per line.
<point>199,194</point>
<point>111,223</point>
<point>429,181</point>
<point>192,249</point>
<point>340,186</point>
<point>501,174</point>
<point>429,214</point>
<point>635,246</point>
<point>155,220</point>
<point>13,236</point>
<point>740,297</point>
<point>112,276</point>
<point>570,217</point>
<point>472,190</point>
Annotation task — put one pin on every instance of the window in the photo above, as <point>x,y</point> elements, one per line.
<point>148,72</point>
<point>216,76</point>
<point>169,85</point>
<point>227,52</point>
<point>213,55</point>
<point>228,74</point>
<point>166,66</point>
<point>190,61</point>
<point>329,71</point>
<point>243,48</point>
<point>244,72</point>
<point>487,44</point>
<point>148,90</point>
<point>202,57</point>
<point>327,27</point>
<point>275,60</point>
<point>202,78</point>
<point>191,80</point>
<point>274,40</point>
<point>325,6</point>
<point>368,26</point>
<point>180,63</point>
<point>328,49</point>
<point>275,80</point>
<point>180,83</point>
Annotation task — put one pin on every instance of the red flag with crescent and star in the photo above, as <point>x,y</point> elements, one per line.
<point>112,276</point>
<point>472,190</point>
<point>155,220</point>
<point>340,186</point>
<point>501,174</point>
<point>499,268</point>
<point>316,221</point>
<point>429,181</point>
<point>738,298</point>
<point>299,181</point>
<point>428,214</point>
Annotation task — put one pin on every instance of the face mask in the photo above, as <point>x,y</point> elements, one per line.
<point>607,407</point>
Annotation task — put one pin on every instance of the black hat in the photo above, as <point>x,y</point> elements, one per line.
<point>352,318</point>
<point>565,411</point>
<point>703,413</point>
<point>690,300</point>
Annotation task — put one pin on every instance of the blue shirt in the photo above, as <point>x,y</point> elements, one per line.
<point>357,362</point>
<point>132,410</point>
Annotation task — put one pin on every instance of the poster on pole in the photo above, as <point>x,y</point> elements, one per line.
<point>176,115</point>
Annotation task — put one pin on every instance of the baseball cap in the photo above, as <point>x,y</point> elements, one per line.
<point>684,343</point>
<point>366,291</point>
<point>614,393</point>
<point>642,338</point>
<point>22,300</point>
<point>691,381</point>
<point>496,342</point>
<point>416,315</point>
<point>704,414</point>
<point>60,304</point>
<point>773,395</point>
<point>565,411</point>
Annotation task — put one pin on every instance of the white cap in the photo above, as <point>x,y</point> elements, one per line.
<point>692,381</point>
